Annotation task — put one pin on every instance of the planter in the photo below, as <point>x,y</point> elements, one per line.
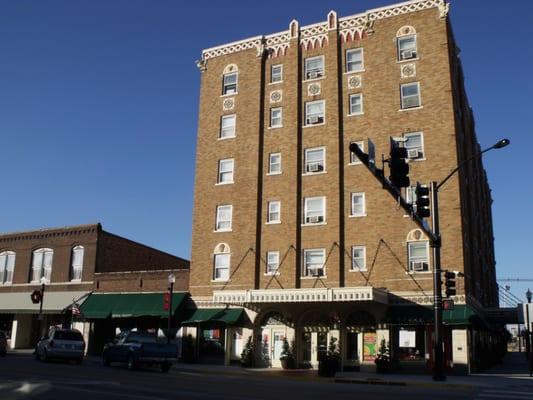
<point>288,363</point>
<point>327,367</point>
<point>382,367</point>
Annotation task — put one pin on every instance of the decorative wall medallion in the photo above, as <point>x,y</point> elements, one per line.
<point>228,104</point>
<point>408,70</point>
<point>313,89</point>
<point>355,82</point>
<point>275,96</point>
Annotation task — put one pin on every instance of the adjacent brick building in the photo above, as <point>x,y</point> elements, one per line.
<point>289,225</point>
<point>73,262</point>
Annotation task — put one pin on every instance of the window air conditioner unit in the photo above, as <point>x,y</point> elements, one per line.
<point>316,272</point>
<point>312,74</point>
<point>407,54</point>
<point>413,153</point>
<point>418,266</point>
<point>312,120</point>
<point>314,167</point>
<point>315,219</point>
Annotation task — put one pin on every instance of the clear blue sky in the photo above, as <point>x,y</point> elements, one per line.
<point>99,100</point>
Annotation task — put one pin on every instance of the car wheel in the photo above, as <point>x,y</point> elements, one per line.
<point>105,360</point>
<point>132,364</point>
<point>165,367</point>
<point>44,357</point>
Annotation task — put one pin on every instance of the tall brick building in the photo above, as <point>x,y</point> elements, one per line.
<point>289,226</point>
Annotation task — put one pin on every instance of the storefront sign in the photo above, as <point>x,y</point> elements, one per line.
<point>369,346</point>
<point>407,339</point>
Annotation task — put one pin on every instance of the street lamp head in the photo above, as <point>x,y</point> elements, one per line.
<point>171,278</point>
<point>43,280</point>
<point>528,296</point>
<point>501,143</point>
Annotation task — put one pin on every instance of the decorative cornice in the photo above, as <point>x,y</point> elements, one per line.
<point>350,27</point>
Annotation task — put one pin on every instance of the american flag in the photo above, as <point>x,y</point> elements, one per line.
<point>75,310</point>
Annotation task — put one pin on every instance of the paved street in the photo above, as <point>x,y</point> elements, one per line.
<point>23,377</point>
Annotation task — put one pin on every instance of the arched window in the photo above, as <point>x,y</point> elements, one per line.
<point>406,39</point>
<point>41,266</point>
<point>229,79</point>
<point>77,263</point>
<point>221,262</point>
<point>417,251</point>
<point>7,265</point>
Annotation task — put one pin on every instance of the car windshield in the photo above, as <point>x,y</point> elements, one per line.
<point>142,337</point>
<point>68,335</point>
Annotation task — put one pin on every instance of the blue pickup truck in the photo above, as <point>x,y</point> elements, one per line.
<point>137,348</point>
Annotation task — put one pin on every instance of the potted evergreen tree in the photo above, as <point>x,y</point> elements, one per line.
<point>383,360</point>
<point>288,361</point>
<point>328,365</point>
<point>247,355</point>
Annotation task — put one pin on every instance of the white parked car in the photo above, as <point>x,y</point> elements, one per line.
<point>65,344</point>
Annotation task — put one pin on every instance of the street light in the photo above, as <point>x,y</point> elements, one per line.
<point>528,333</point>
<point>171,281</point>
<point>438,351</point>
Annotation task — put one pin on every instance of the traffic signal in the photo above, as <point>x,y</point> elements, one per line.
<point>449,282</point>
<point>166,301</point>
<point>422,200</point>
<point>399,169</point>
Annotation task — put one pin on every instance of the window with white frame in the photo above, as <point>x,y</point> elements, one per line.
<point>407,47</point>
<point>353,158</point>
<point>315,160</point>
<point>314,260</point>
<point>225,171</point>
<point>229,84</point>
<point>418,256</point>
<point>314,210</point>
<point>354,60</point>
<point>76,269</point>
<point>358,207</point>
<point>414,145</point>
<point>274,212</point>
<point>223,219</point>
<point>41,266</point>
<point>7,266</point>
<point>410,94</point>
<point>314,67</point>
<point>358,258</point>
<point>221,265</point>
<point>276,117</point>
<point>314,112</point>
<point>356,104</point>
<point>227,126</point>
<point>274,163</point>
<point>272,263</point>
<point>276,73</point>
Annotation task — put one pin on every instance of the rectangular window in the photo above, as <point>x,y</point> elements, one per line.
<point>272,265</point>
<point>225,171</point>
<point>7,265</point>
<point>221,270</point>
<point>353,158</point>
<point>354,60</point>
<point>418,254</point>
<point>224,214</point>
<point>356,104</point>
<point>414,145</point>
<point>314,112</point>
<point>229,85</point>
<point>77,263</point>
<point>314,67</point>
<point>314,262</point>
<point>410,94</point>
<point>275,117</point>
<point>274,163</point>
<point>358,258</point>
<point>407,48</point>
<point>358,205</point>
<point>227,126</point>
<point>315,160</point>
<point>274,212</point>
<point>276,73</point>
<point>314,210</point>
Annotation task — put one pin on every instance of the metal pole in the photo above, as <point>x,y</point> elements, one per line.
<point>438,357</point>
<point>41,323</point>
<point>171,288</point>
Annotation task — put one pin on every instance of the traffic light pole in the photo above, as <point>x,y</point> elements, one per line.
<point>170,289</point>
<point>438,351</point>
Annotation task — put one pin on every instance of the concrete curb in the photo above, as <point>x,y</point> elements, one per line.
<point>404,383</point>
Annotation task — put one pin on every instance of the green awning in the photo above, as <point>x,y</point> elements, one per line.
<point>413,315</point>
<point>229,316</point>
<point>123,305</point>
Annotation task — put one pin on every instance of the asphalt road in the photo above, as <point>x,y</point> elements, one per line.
<point>22,377</point>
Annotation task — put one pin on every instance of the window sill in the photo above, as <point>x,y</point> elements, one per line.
<point>6,284</point>
<point>75,281</point>
<point>417,159</point>
<point>314,277</point>
<point>410,108</point>
<point>275,83</point>
<point>358,270</point>
<point>314,173</point>
<point>312,125</point>
<point>224,183</point>
<point>355,163</point>
<point>222,230</point>
<point>354,72</point>
<point>418,272</point>
<point>355,115</point>
<point>229,94</point>
<point>271,274</point>
<point>220,280</point>
<point>314,79</point>
<point>275,127</point>
<point>226,137</point>
<point>273,223</point>
<point>273,173</point>
<point>315,224</point>
<point>407,60</point>
<point>356,215</point>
